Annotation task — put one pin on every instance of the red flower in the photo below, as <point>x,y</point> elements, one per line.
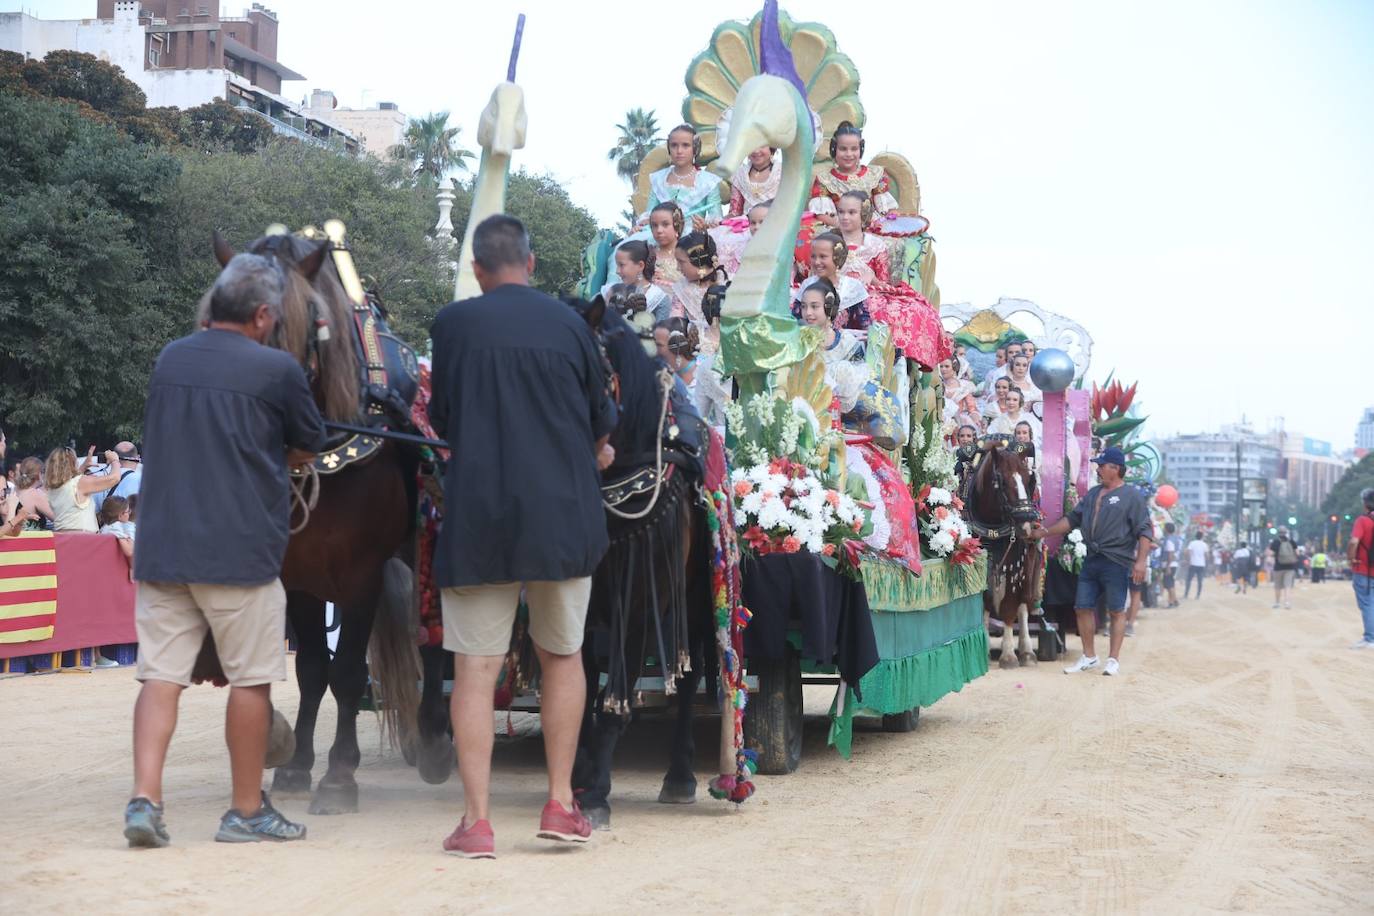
<point>790,544</point>
<point>756,538</point>
<point>828,550</point>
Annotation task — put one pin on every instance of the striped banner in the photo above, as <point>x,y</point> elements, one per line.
<point>28,587</point>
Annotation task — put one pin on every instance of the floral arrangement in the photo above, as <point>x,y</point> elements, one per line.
<point>782,507</point>
<point>945,531</point>
<point>1072,551</point>
<point>789,428</point>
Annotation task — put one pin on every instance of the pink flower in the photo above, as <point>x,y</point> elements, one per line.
<point>833,498</point>
<point>828,550</point>
<point>790,544</point>
<point>743,488</point>
<point>941,513</point>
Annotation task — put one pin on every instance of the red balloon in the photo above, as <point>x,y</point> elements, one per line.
<point>1166,496</point>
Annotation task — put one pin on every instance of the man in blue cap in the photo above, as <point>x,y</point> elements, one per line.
<point>1115,522</point>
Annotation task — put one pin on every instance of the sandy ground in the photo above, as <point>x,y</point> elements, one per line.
<point>1228,770</point>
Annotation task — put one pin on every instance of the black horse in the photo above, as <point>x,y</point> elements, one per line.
<point>651,593</point>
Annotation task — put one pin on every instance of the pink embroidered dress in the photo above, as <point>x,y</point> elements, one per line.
<point>915,325</point>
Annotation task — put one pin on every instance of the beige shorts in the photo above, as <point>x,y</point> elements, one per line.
<point>478,619</point>
<point>1283,578</point>
<point>249,623</point>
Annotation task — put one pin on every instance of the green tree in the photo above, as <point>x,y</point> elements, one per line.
<point>1344,498</point>
<point>638,137</point>
<point>216,125</point>
<point>559,229</point>
<point>86,78</point>
<point>79,301</point>
<point>431,148</point>
<point>298,185</point>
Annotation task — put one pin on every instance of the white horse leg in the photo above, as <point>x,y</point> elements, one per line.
<point>1008,659</point>
<point>1024,651</point>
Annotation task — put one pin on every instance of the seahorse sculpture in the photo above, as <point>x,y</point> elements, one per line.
<point>500,132</point>
<point>758,332</point>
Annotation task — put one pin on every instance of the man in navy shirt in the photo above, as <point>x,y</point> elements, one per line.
<point>521,396</point>
<point>225,416</point>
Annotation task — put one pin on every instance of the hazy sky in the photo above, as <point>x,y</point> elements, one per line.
<point>1190,180</point>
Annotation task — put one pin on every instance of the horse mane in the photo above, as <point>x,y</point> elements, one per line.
<point>641,398</point>
<point>337,386</point>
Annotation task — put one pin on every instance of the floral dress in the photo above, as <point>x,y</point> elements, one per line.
<point>833,184</point>
<point>916,328</point>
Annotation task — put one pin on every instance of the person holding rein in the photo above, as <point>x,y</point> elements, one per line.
<point>1116,526</point>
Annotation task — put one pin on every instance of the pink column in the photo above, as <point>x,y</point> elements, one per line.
<point>1080,406</point>
<point>1051,467</point>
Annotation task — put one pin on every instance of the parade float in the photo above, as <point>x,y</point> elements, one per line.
<point>856,561</point>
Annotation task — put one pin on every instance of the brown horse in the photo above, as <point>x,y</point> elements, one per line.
<point>344,547</point>
<point>999,493</point>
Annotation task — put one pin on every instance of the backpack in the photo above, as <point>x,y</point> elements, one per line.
<point>1287,555</point>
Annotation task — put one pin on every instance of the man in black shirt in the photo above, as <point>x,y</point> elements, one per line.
<point>520,395</point>
<point>225,416</point>
<point>1116,526</point>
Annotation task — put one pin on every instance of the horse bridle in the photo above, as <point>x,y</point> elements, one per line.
<point>272,246</point>
<point>1019,510</point>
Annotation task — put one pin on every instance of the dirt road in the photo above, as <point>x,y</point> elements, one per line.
<point>1228,769</point>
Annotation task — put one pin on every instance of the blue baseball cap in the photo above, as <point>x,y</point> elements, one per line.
<point>1111,455</point>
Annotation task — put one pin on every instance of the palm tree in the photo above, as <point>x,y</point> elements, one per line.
<point>638,137</point>
<point>431,147</point>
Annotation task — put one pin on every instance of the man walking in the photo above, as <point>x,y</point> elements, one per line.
<point>520,393</point>
<point>1197,563</point>
<point>1240,568</point>
<point>1115,522</point>
<point>1285,567</point>
<point>1173,550</point>
<point>1360,552</point>
<point>225,416</point>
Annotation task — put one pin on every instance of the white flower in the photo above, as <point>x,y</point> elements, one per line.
<point>1076,536</point>
<point>752,503</point>
<point>939,496</point>
<point>942,543</point>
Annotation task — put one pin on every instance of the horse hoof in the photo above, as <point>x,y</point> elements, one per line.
<point>1028,660</point>
<point>335,798</point>
<point>600,816</point>
<point>678,791</point>
<point>288,782</point>
<point>281,743</point>
<point>434,760</point>
<point>1007,662</point>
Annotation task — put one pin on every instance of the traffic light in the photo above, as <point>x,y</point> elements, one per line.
<point>1333,519</point>
<point>1347,516</point>
<point>1292,519</point>
<point>1273,530</point>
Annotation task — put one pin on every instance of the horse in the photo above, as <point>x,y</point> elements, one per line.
<point>651,593</point>
<point>347,538</point>
<point>999,494</point>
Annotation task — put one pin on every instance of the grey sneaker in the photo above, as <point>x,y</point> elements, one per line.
<point>1130,629</point>
<point>266,824</point>
<point>143,826</point>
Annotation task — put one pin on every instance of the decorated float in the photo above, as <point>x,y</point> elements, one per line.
<point>858,569</point>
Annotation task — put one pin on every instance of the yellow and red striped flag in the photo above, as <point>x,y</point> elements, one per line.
<point>28,587</point>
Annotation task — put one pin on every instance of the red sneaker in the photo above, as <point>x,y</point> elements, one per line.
<point>471,842</point>
<point>558,823</point>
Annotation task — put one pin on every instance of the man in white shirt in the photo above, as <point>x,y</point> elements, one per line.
<point>1196,551</point>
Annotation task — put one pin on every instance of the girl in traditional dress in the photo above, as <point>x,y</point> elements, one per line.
<point>635,265</point>
<point>665,225</point>
<point>699,266</point>
<point>915,325</point>
<point>961,409</point>
<point>828,257</point>
<point>849,174</point>
<point>992,402</point>
<point>754,182</point>
<point>817,306</point>
<point>1019,376</point>
<point>693,189</point>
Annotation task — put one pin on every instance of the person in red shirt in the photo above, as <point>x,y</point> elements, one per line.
<point>1358,551</point>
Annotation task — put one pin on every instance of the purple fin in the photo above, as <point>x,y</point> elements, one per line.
<point>775,58</point>
<point>515,48</point>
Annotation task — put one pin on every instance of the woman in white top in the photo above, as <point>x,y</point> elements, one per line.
<point>1019,376</point>
<point>69,489</point>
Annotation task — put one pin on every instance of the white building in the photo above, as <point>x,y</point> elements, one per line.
<point>1364,432</point>
<point>182,60</point>
<point>377,129</point>
<point>1208,468</point>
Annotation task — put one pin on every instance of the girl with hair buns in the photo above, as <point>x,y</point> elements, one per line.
<point>666,223</point>
<point>915,325</point>
<point>636,265</point>
<point>828,258</point>
<point>693,189</point>
<point>849,174</point>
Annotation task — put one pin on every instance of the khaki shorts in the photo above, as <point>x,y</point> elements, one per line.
<point>1283,578</point>
<point>478,619</point>
<point>249,624</point>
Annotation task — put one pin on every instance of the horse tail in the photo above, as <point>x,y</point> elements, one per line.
<point>393,658</point>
